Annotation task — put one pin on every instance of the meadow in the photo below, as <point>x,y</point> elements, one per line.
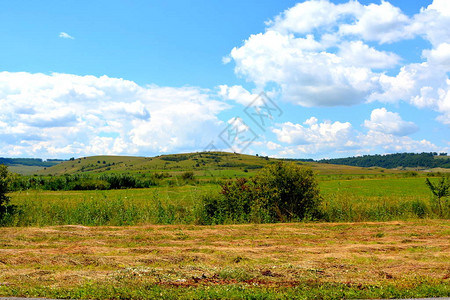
<point>382,236</point>
<point>256,261</point>
<point>345,200</point>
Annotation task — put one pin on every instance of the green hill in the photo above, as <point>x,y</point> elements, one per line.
<point>226,164</point>
<point>27,166</point>
<point>173,162</point>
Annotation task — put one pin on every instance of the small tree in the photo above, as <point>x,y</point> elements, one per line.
<point>289,191</point>
<point>4,199</point>
<point>440,190</point>
<point>279,192</point>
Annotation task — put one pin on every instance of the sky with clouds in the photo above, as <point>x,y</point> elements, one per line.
<point>309,79</point>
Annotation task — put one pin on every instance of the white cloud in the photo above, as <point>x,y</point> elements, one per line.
<point>237,93</point>
<point>305,78</point>
<point>422,85</point>
<point>359,54</point>
<point>317,54</point>
<point>326,133</point>
<point>314,138</point>
<point>65,35</point>
<point>440,56</point>
<point>388,122</point>
<point>389,143</point>
<point>432,22</point>
<point>383,23</point>
<point>309,15</point>
<point>386,134</point>
<point>65,115</point>
<point>226,60</point>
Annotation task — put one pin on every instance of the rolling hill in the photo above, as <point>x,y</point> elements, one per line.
<point>27,166</point>
<point>199,162</point>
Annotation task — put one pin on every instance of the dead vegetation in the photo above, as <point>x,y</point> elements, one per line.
<point>276,255</point>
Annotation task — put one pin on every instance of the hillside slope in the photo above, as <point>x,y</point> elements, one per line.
<point>201,161</point>
<point>28,166</point>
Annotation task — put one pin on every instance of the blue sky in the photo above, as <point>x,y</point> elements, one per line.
<point>151,77</point>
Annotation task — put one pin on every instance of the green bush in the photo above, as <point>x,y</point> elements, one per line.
<point>4,199</point>
<point>7,211</point>
<point>280,192</point>
<point>419,208</point>
<point>187,176</point>
<point>441,190</point>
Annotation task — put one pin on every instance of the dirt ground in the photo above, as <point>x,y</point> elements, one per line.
<point>269,255</point>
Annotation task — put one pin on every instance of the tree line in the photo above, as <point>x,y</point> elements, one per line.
<point>29,162</point>
<point>398,160</point>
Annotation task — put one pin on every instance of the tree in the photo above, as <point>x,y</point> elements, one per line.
<point>279,192</point>
<point>4,199</point>
<point>440,190</point>
<point>289,191</point>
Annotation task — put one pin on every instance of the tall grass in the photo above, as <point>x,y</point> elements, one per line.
<point>378,200</point>
<point>121,207</point>
<point>344,201</point>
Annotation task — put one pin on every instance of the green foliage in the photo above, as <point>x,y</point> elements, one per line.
<point>419,208</point>
<point>187,175</point>
<point>410,160</point>
<point>279,192</point>
<point>7,211</point>
<point>175,158</point>
<point>440,190</point>
<point>4,199</point>
<point>29,161</point>
<point>137,288</point>
<point>85,182</point>
<point>290,191</point>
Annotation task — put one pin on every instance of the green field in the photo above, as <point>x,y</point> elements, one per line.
<point>382,236</point>
<point>379,199</point>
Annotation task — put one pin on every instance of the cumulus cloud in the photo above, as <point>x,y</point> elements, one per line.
<point>318,53</point>
<point>390,143</point>
<point>440,56</point>
<point>382,22</point>
<point>388,122</point>
<point>359,54</point>
<point>332,134</point>
<point>65,35</point>
<point>314,138</point>
<point>308,78</point>
<point>65,115</point>
<point>237,93</point>
<point>386,134</point>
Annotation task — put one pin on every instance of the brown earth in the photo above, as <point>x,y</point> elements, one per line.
<point>265,255</point>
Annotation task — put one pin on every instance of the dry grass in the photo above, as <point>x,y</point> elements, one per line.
<point>266,255</point>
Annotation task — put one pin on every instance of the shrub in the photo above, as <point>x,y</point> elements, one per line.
<point>291,192</point>
<point>187,175</point>
<point>6,210</point>
<point>4,199</point>
<point>440,190</point>
<point>279,192</point>
<point>419,208</point>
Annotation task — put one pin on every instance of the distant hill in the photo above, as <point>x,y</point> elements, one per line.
<point>227,164</point>
<point>172,162</point>
<point>398,160</point>
<point>207,161</point>
<point>31,162</point>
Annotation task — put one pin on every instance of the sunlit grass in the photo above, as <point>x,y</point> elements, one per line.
<point>375,199</point>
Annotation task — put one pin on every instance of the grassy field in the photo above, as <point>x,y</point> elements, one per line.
<point>145,244</point>
<point>368,199</point>
<point>272,261</point>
